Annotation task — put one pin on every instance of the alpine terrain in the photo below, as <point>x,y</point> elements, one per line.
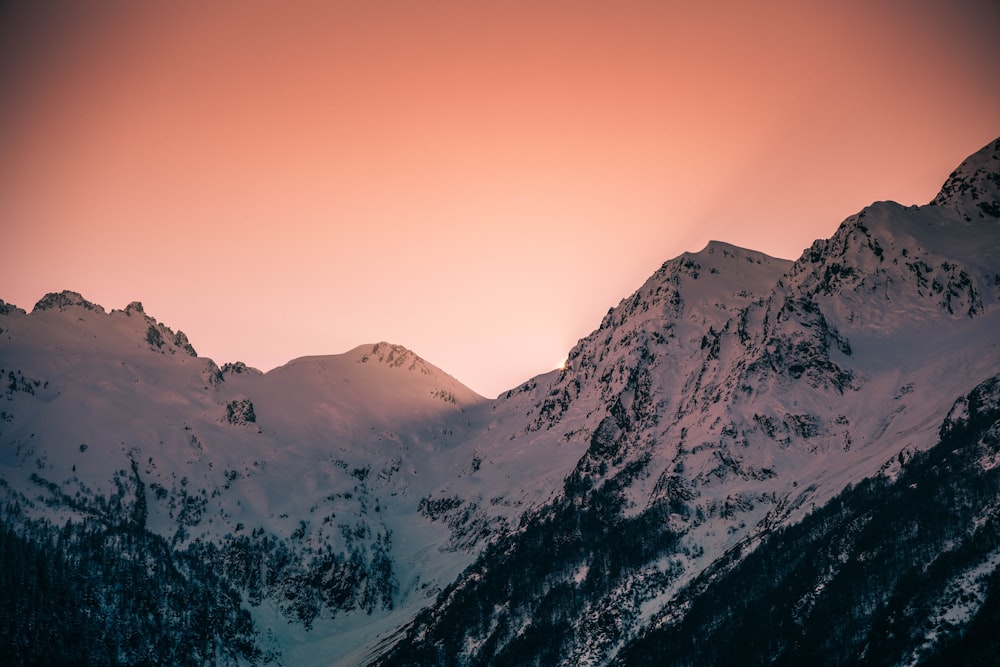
<point>750,461</point>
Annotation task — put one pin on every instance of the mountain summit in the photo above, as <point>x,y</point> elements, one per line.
<point>750,459</point>
<point>973,189</point>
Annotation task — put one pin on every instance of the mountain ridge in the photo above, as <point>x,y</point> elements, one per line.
<point>793,365</point>
<point>367,507</point>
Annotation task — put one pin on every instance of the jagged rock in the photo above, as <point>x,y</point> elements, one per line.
<point>8,308</point>
<point>181,341</point>
<point>238,368</point>
<point>973,189</point>
<point>66,299</point>
<point>240,411</point>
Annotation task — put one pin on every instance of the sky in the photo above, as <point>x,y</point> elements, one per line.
<point>478,181</point>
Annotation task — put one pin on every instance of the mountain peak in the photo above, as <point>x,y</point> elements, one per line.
<point>973,189</point>
<point>728,251</point>
<point>7,308</point>
<point>66,299</point>
<point>395,356</point>
<point>717,246</point>
<point>134,307</point>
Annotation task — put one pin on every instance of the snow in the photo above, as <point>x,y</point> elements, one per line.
<point>958,604</point>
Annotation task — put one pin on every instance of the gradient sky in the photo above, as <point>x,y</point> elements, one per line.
<point>479,181</point>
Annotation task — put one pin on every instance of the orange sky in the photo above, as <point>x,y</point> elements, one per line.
<point>479,181</point>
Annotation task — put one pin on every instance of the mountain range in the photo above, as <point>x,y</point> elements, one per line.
<point>750,461</point>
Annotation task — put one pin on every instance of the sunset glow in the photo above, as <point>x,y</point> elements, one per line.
<point>478,181</point>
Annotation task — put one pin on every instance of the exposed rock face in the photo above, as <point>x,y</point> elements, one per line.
<point>66,299</point>
<point>973,189</point>
<point>240,411</point>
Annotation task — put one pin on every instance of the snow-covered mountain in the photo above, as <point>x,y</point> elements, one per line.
<point>731,396</point>
<point>367,507</point>
<point>305,480</point>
